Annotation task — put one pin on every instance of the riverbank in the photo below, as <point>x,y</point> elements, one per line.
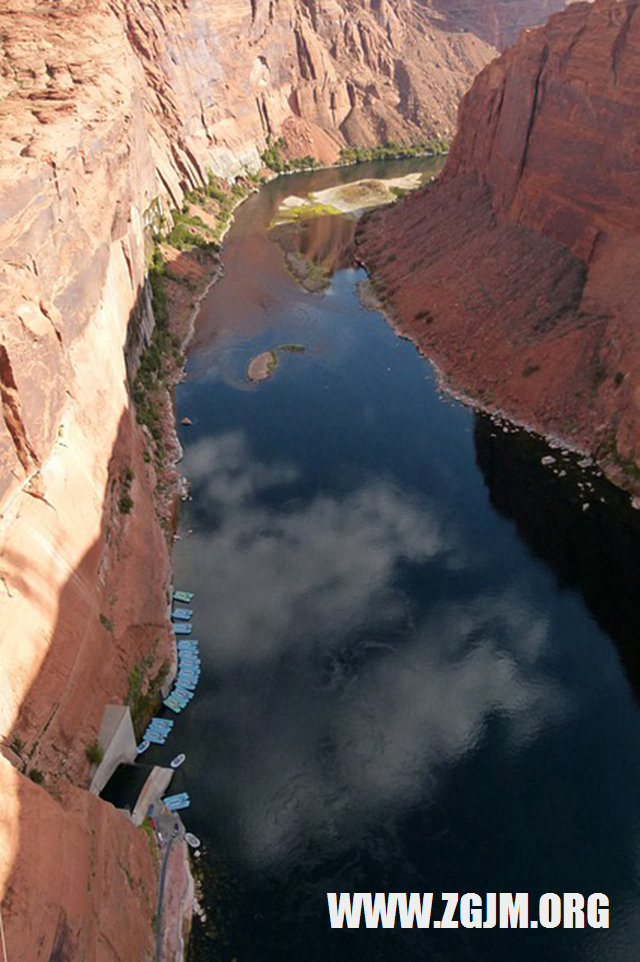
<point>549,396</point>
<point>395,544</point>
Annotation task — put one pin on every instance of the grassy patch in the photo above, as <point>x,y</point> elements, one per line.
<point>144,691</point>
<point>94,752</point>
<point>395,150</point>
<point>147,828</point>
<point>289,215</point>
<point>273,159</point>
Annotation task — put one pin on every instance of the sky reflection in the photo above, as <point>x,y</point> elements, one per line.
<point>391,694</point>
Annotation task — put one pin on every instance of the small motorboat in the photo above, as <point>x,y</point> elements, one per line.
<point>183,629</point>
<point>142,747</point>
<point>192,840</point>
<point>178,760</point>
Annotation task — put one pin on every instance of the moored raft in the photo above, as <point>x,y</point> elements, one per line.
<point>182,614</point>
<point>184,597</point>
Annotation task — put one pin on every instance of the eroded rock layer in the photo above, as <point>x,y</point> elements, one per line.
<point>517,271</point>
<point>109,111</point>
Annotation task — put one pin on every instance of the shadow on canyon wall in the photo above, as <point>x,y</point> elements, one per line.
<point>594,551</point>
<point>82,877</point>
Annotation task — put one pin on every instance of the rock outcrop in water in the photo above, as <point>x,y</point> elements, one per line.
<point>517,271</point>
<point>108,112</point>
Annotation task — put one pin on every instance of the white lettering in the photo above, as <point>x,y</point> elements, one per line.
<point>573,910</point>
<point>451,898</point>
<point>598,911</point>
<point>347,909</point>
<point>514,910</point>
<point>418,912</point>
<point>471,911</point>
<point>550,912</point>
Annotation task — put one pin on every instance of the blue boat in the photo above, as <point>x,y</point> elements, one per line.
<point>190,645</point>
<point>180,797</point>
<point>184,597</point>
<point>142,747</point>
<point>156,739</point>
<point>176,803</point>
<point>182,614</point>
<point>182,629</point>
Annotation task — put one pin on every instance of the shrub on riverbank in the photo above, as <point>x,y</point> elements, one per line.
<point>273,158</point>
<point>432,146</point>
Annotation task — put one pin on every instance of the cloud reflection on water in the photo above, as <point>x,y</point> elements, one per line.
<point>338,697</point>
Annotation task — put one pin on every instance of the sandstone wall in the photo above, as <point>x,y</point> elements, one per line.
<point>518,269</point>
<point>109,110</point>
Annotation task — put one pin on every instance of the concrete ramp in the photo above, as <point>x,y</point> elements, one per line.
<point>118,743</point>
<point>153,789</point>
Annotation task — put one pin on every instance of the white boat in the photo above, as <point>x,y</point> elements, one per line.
<point>178,760</point>
<point>192,840</point>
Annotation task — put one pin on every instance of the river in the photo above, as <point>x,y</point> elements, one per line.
<point>420,643</point>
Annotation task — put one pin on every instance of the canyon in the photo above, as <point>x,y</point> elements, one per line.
<point>515,272</point>
<point>109,114</point>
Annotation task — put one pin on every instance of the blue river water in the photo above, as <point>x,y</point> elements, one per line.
<point>420,647</point>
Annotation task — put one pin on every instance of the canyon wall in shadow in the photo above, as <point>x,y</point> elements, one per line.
<point>516,271</point>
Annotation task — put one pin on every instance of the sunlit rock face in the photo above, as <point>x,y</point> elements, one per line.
<point>515,271</point>
<point>108,113</point>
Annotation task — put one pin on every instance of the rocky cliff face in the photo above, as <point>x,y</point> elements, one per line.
<point>501,22</point>
<point>108,112</point>
<point>516,272</point>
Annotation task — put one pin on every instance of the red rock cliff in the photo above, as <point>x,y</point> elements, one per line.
<point>517,271</point>
<point>108,112</point>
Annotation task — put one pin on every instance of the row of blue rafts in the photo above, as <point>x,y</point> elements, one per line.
<point>189,663</point>
<point>189,666</point>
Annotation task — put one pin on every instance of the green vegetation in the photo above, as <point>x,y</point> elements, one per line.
<point>125,501</point>
<point>106,622</point>
<point>188,231</point>
<point>154,366</point>
<point>225,198</point>
<point>273,159</point>
<point>292,348</point>
<point>393,150</point>
<point>182,237</point>
<point>94,752</point>
<point>147,828</point>
<point>36,776</point>
<point>288,215</point>
<point>143,691</point>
